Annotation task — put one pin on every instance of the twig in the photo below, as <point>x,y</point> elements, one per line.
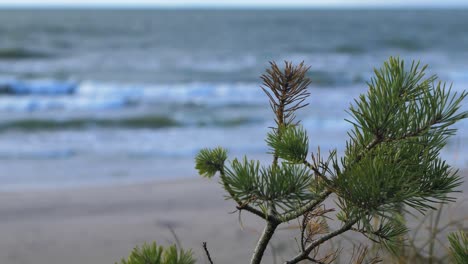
<point>257,212</point>
<point>305,208</point>
<point>305,254</point>
<point>207,253</point>
<point>171,229</point>
<point>245,206</point>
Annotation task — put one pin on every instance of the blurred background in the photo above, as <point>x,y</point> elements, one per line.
<point>106,92</point>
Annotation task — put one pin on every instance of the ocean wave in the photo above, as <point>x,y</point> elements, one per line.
<point>21,53</point>
<point>50,94</point>
<point>25,96</point>
<point>334,79</point>
<point>29,104</point>
<point>46,95</point>
<point>403,44</point>
<point>136,122</point>
<point>130,142</point>
<point>39,95</point>
<point>40,87</point>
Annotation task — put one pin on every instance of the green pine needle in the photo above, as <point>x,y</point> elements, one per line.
<point>289,143</point>
<point>154,254</point>
<point>459,247</point>
<point>210,161</point>
<point>391,161</point>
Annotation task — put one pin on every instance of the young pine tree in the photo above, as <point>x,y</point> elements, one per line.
<point>391,162</point>
<point>154,254</point>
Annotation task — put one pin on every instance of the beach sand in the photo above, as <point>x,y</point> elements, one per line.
<point>102,224</point>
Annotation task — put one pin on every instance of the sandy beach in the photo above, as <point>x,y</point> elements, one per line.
<point>102,224</point>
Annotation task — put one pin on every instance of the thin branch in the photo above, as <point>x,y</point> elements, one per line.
<point>244,206</point>
<point>171,229</point>
<point>379,139</point>
<point>316,171</point>
<point>259,213</point>
<point>367,234</point>
<point>314,223</point>
<point>305,208</point>
<point>305,254</point>
<point>207,253</point>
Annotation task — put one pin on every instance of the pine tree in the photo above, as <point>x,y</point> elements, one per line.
<point>154,254</point>
<point>391,163</point>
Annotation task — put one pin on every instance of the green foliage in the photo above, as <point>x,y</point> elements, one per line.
<point>154,254</point>
<point>392,157</point>
<point>289,143</point>
<point>391,174</point>
<point>283,186</point>
<point>242,177</point>
<point>387,230</point>
<point>391,162</point>
<point>210,161</point>
<point>401,103</point>
<point>459,247</point>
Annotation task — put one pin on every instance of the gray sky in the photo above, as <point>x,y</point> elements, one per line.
<point>240,3</point>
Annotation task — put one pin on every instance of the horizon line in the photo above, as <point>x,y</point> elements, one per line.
<point>229,7</point>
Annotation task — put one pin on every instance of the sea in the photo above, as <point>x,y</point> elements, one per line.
<point>99,97</point>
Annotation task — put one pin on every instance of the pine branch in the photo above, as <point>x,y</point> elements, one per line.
<point>268,217</point>
<point>392,158</point>
<point>287,91</point>
<point>305,254</point>
<point>311,205</point>
<point>263,242</point>
<point>316,171</point>
<point>380,139</point>
<point>243,205</point>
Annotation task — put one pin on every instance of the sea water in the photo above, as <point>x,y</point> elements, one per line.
<point>115,96</point>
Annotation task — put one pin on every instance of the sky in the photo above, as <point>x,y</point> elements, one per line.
<point>239,3</point>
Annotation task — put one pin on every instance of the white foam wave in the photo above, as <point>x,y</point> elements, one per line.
<point>42,87</point>
<point>47,95</point>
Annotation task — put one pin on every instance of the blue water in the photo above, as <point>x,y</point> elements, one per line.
<point>127,95</point>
